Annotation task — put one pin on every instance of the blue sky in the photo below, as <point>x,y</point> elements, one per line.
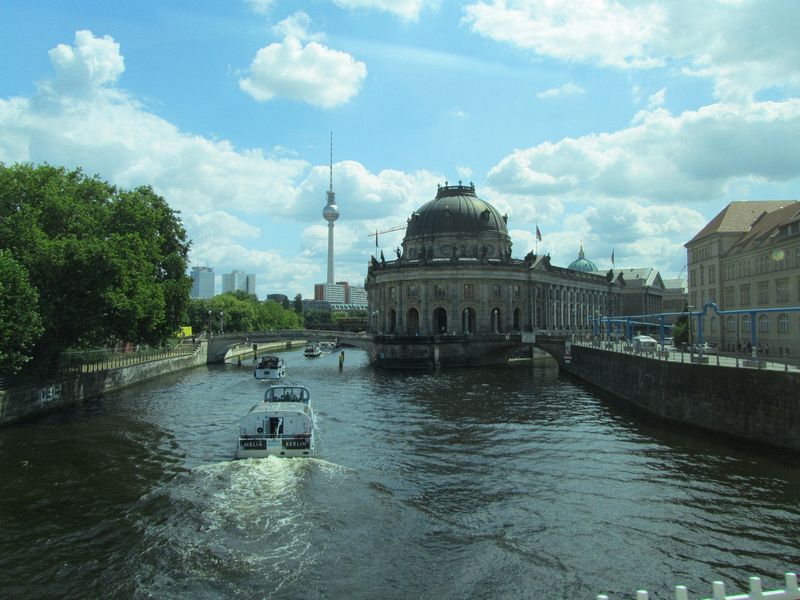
<point>624,126</point>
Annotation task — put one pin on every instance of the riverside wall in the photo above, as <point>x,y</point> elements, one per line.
<point>26,402</point>
<point>754,404</point>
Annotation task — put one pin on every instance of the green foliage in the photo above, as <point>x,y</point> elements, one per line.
<point>317,316</point>
<point>20,322</point>
<point>298,304</point>
<point>108,264</point>
<point>239,311</point>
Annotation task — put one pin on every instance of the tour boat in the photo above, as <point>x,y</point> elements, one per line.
<point>312,350</point>
<point>270,367</point>
<point>281,425</point>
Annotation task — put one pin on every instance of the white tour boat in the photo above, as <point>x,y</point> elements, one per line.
<point>283,424</point>
<point>312,350</point>
<point>270,367</point>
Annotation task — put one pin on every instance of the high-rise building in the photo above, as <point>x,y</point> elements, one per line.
<point>202,282</point>
<point>238,280</point>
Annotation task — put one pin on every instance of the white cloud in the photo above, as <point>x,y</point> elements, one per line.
<point>600,31</point>
<point>742,46</point>
<point>261,7</point>
<point>90,63</point>
<point>312,73</point>
<point>568,89</point>
<point>694,156</point>
<point>296,26</point>
<point>405,9</point>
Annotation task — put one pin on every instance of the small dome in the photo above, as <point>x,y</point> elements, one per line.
<point>456,210</point>
<point>582,263</point>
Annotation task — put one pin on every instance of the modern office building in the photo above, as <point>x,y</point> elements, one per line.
<point>748,258</point>
<point>202,282</point>
<point>239,281</point>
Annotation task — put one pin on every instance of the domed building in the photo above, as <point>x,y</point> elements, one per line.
<point>454,296</point>
<point>582,263</point>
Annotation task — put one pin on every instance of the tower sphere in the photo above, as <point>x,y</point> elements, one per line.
<point>330,213</point>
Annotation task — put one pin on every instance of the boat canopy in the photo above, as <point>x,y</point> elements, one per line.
<point>287,393</point>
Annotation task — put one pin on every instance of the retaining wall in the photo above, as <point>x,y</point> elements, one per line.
<point>755,404</point>
<point>29,401</point>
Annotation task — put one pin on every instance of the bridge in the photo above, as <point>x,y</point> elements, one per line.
<point>220,344</point>
<point>404,351</point>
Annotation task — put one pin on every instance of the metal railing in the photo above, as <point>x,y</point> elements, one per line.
<point>791,591</point>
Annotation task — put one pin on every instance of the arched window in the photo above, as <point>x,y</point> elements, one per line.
<point>783,323</point>
<point>730,323</point>
<point>763,323</point>
<point>517,318</point>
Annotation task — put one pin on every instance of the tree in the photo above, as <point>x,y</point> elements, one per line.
<point>20,323</point>
<point>298,304</point>
<point>108,264</point>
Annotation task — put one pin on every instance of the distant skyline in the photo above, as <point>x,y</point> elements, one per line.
<point>624,126</point>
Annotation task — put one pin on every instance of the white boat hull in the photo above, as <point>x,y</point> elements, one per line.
<point>285,447</point>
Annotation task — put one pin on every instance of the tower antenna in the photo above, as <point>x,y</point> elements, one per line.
<point>331,181</point>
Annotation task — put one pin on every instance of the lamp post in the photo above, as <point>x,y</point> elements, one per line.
<point>209,323</point>
<point>222,321</point>
<point>690,309</point>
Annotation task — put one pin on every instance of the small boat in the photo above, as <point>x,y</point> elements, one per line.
<point>328,345</point>
<point>270,367</point>
<point>312,350</point>
<point>281,425</point>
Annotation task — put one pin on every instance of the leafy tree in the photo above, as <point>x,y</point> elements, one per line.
<point>20,323</point>
<point>317,316</point>
<point>108,264</point>
<point>298,304</point>
<point>241,312</point>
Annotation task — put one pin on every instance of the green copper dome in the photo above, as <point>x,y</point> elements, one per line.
<point>456,210</point>
<point>582,263</point>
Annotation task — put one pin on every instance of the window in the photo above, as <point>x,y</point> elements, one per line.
<point>763,292</point>
<point>783,323</point>
<point>516,290</point>
<point>730,323</point>
<point>496,290</point>
<point>782,290</point>
<point>744,293</point>
<point>712,274</point>
<point>713,324</point>
<point>763,323</point>
<point>728,297</point>
<point>439,291</point>
<point>412,291</point>
<point>469,290</point>
<point>712,294</point>
<point>391,292</point>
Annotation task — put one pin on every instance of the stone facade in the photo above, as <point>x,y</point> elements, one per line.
<point>455,275</point>
<point>747,259</point>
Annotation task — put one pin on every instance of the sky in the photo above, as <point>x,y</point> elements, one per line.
<point>620,126</point>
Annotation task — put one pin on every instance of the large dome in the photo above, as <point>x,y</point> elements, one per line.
<point>582,263</point>
<point>456,210</point>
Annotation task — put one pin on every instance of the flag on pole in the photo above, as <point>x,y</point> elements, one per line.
<point>538,234</point>
<point>612,257</point>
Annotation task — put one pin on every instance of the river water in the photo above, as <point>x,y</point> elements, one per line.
<point>489,483</point>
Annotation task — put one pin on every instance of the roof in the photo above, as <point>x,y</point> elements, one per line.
<point>738,216</point>
<point>765,229</point>
<point>456,209</point>
<point>642,277</point>
<point>582,263</point>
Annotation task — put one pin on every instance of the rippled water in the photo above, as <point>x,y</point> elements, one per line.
<point>490,483</point>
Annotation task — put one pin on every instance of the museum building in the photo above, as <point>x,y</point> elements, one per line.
<point>455,276</point>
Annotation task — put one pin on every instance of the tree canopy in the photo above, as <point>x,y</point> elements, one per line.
<point>106,264</point>
<point>239,311</point>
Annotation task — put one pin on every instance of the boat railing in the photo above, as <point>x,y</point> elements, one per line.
<point>792,592</point>
<point>276,436</point>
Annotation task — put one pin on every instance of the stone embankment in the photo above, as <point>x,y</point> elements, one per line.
<point>28,401</point>
<point>761,405</point>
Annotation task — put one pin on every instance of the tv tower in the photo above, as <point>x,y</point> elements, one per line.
<point>330,213</point>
